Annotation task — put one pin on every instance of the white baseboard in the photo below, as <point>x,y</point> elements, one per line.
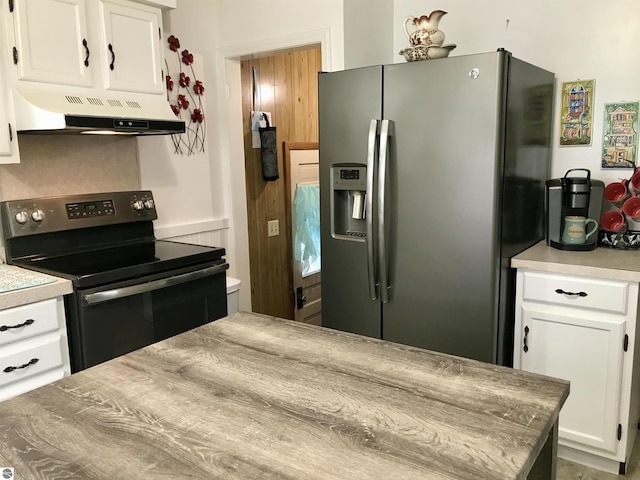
<point>584,458</point>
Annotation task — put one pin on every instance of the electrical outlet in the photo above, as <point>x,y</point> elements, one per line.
<point>273,228</point>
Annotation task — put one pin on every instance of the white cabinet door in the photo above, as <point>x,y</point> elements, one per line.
<point>132,43</point>
<point>588,353</point>
<point>6,130</point>
<point>51,39</point>
<point>8,138</point>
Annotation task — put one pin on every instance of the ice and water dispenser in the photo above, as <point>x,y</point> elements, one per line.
<point>348,202</point>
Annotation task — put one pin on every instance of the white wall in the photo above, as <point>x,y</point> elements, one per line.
<point>589,39</point>
<point>165,171</point>
<point>368,37</point>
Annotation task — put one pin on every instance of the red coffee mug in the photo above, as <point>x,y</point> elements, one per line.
<point>631,207</point>
<point>613,221</point>
<point>616,193</point>
<point>634,183</point>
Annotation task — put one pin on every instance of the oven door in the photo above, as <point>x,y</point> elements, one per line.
<point>118,318</point>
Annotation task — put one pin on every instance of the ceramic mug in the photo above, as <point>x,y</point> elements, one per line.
<point>616,193</point>
<point>631,209</point>
<point>634,182</point>
<point>613,221</point>
<point>575,229</point>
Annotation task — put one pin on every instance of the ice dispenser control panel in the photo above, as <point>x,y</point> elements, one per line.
<point>349,185</point>
<point>351,178</point>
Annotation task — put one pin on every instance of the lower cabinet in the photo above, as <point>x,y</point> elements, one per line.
<point>583,330</point>
<point>33,346</point>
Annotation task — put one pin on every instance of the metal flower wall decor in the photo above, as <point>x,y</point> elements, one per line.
<point>185,99</point>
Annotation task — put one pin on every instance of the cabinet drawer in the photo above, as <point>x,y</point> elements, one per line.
<point>16,366</point>
<point>28,320</point>
<point>583,292</point>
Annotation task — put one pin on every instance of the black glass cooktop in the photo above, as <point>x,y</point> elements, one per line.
<point>109,265</point>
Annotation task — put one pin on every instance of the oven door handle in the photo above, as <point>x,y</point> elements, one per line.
<point>115,293</point>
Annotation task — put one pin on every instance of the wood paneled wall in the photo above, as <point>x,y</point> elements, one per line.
<point>288,84</point>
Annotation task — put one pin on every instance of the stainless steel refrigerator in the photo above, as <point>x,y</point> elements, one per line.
<point>431,178</point>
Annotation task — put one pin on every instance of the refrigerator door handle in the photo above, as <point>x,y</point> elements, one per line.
<point>371,165</point>
<point>382,180</point>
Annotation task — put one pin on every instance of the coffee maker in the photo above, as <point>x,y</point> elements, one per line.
<point>568,196</point>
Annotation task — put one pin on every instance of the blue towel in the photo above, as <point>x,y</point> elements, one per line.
<point>306,204</point>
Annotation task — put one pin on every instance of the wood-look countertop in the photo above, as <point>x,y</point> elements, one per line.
<point>256,397</point>
<point>603,262</point>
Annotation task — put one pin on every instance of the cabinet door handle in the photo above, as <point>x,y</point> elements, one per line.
<point>25,365</point>
<point>574,294</point>
<point>113,56</point>
<point>86,51</point>
<point>526,333</point>
<point>4,328</point>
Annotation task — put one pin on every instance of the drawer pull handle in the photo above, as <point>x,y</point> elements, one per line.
<point>526,332</point>
<point>574,294</point>
<point>30,362</point>
<point>4,328</point>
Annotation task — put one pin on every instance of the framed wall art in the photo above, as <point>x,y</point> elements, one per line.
<point>576,112</point>
<point>620,135</point>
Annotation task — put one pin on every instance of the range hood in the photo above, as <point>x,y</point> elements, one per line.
<point>42,111</point>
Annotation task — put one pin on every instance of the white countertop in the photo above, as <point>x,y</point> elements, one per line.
<point>24,286</point>
<point>611,263</point>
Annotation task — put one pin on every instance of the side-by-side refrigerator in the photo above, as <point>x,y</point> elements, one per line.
<point>432,177</point>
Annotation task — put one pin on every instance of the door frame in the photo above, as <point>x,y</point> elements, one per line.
<point>230,135</point>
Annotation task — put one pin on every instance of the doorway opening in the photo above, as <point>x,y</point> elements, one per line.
<point>282,84</point>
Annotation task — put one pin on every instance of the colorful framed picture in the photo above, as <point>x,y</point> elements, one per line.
<point>576,112</point>
<point>620,135</point>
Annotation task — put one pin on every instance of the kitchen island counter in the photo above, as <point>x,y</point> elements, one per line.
<point>250,396</point>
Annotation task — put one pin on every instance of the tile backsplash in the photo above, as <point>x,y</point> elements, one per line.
<point>69,164</point>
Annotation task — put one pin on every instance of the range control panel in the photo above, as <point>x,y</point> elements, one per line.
<point>52,214</point>
<point>90,209</point>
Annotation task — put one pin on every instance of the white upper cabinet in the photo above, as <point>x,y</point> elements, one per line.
<point>52,43</point>
<point>104,44</point>
<point>8,139</point>
<point>132,41</point>
<point>9,152</point>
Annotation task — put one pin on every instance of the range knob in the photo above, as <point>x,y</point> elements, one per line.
<point>37,215</point>
<point>138,205</point>
<point>148,204</point>
<point>22,217</point>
